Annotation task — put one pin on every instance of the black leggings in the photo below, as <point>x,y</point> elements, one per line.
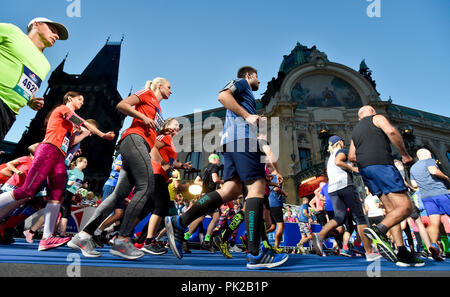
<point>66,205</point>
<point>159,201</point>
<point>136,172</point>
<point>347,198</point>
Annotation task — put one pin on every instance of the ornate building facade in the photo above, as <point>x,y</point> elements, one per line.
<point>314,98</point>
<point>98,84</point>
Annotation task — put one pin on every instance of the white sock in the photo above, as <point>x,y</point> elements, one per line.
<point>6,198</point>
<point>97,232</point>
<point>51,213</point>
<point>84,235</point>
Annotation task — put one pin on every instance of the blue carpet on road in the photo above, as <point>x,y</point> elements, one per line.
<point>22,252</point>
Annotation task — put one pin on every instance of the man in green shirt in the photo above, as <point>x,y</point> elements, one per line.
<point>23,66</point>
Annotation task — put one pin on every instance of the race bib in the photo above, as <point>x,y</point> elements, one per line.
<point>28,85</point>
<point>78,183</point>
<point>159,121</point>
<point>65,143</point>
<point>8,188</point>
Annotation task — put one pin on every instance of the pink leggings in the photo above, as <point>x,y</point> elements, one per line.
<point>48,162</point>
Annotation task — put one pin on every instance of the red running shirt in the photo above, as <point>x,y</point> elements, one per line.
<point>168,153</point>
<point>59,130</point>
<point>150,107</point>
<point>24,166</point>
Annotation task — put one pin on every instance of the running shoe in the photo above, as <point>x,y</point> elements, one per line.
<point>301,250</point>
<point>208,246</point>
<point>425,254</point>
<point>373,257</point>
<point>347,253</point>
<point>380,241</point>
<point>278,250</point>
<point>408,259</point>
<point>358,250</point>
<point>28,236</point>
<point>316,244</point>
<point>265,259</point>
<point>223,247</point>
<point>99,240</point>
<point>436,252</point>
<point>154,248</point>
<point>125,249</point>
<point>52,242</point>
<point>185,247</point>
<point>175,235</point>
<point>139,246</point>
<point>235,249</point>
<point>86,246</point>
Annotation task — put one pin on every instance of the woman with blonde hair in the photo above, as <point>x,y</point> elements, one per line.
<point>343,195</point>
<point>164,161</point>
<point>137,171</point>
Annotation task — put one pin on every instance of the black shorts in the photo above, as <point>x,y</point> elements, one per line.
<point>277,214</point>
<point>7,119</point>
<point>321,217</point>
<point>375,220</point>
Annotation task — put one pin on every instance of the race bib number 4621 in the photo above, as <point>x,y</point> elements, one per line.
<point>28,85</point>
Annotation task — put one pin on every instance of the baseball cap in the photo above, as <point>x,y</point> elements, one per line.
<point>333,139</point>
<point>62,30</point>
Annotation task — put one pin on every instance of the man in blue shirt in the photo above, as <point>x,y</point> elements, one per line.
<point>304,218</point>
<point>426,176</point>
<point>242,165</point>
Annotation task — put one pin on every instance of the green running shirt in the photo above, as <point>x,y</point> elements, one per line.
<point>23,67</point>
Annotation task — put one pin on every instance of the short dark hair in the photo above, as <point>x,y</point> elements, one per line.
<point>246,70</point>
<point>70,94</point>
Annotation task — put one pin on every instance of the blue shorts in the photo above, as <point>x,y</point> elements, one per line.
<point>107,190</point>
<point>240,161</point>
<point>437,205</point>
<point>382,179</point>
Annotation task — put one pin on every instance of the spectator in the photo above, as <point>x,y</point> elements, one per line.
<point>304,224</point>
<point>372,206</point>
<point>290,218</point>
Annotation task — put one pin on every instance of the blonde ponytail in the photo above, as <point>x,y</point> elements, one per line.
<point>153,84</point>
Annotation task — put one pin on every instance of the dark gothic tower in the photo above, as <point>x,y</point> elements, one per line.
<point>98,84</point>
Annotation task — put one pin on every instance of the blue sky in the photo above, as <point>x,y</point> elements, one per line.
<point>199,44</point>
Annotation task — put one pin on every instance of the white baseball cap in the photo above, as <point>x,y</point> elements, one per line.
<point>62,30</point>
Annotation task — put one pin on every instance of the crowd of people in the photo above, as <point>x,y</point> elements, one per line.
<point>145,179</point>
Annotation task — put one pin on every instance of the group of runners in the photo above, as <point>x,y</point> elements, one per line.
<point>149,158</point>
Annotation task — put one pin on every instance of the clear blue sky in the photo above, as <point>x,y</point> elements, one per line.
<point>199,44</point>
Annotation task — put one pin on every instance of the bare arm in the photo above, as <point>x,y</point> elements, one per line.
<point>126,107</point>
<point>78,138</point>
<point>352,153</point>
<point>108,136</point>
<point>414,185</point>
<point>394,136</point>
<point>340,161</point>
<point>216,179</point>
<point>227,99</point>
<point>12,165</point>
<point>437,173</point>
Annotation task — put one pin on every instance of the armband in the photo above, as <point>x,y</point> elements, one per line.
<point>230,86</point>
<point>75,119</point>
